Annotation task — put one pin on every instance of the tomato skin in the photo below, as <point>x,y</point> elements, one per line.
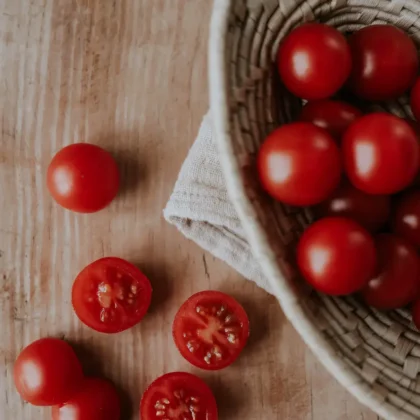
<point>189,320</point>
<point>96,399</point>
<point>370,211</point>
<point>47,372</point>
<point>336,256</point>
<point>376,166</point>
<point>385,62</point>
<point>299,164</point>
<point>415,99</point>
<point>415,313</point>
<point>406,221</point>
<point>173,391</point>
<point>314,61</point>
<point>83,178</point>
<point>397,280</point>
<point>102,292</point>
<point>333,116</point>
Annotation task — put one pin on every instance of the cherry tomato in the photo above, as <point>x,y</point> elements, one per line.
<point>96,399</point>
<point>415,312</point>
<point>385,62</point>
<point>336,256</point>
<point>83,178</point>
<point>370,211</point>
<point>299,164</point>
<point>374,165</point>
<point>210,330</point>
<point>178,396</point>
<point>334,116</point>
<point>314,61</point>
<point>407,217</point>
<point>397,280</point>
<point>415,99</point>
<point>111,295</point>
<point>47,372</point>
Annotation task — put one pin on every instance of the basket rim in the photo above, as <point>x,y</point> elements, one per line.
<point>282,290</point>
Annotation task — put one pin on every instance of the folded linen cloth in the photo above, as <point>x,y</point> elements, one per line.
<point>200,208</point>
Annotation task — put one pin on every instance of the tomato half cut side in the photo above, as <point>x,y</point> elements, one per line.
<point>210,330</point>
<point>111,295</point>
<point>178,396</point>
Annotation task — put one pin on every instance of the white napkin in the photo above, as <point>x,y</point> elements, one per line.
<point>200,208</point>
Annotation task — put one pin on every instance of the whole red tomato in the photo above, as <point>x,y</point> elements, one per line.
<point>406,221</point>
<point>299,164</point>
<point>397,280</point>
<point>336,256</point>
<point>381,153</point>
<point>47,372</point>
<point>415,100</point>
<point>83,178</point>
<point>371,211</point>
<point>314,61</point>
<point>334,116</point>
<point>95,399</point>
<point>385,62</point>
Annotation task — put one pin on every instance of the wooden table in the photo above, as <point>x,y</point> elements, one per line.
<point>131,76</point>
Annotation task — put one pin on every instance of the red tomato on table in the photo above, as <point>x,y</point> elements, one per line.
<point>83,178</point>
<point>370,211</point>
<point>47,372</point>
<point>314,61</point>
<point>178,396</point>
<point>111,295</point>
<point>415,100</point>
<point>333,116</point>
<point>299,164</point>
<point>336,256</point>
<point>381,153</point>
<point>397,280</point>
<point>385,62</point>
<point>211,329</point>
<point>406,221</point>
<point>95,399</point>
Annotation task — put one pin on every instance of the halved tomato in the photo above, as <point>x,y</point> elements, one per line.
<point>111,295</point>
<point>211,329</point>
<point>178,396</point>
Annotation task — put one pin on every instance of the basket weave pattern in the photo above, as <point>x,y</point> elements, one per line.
<point>375,355</point>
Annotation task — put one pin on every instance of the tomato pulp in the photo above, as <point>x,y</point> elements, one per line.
<point>111,295</point>
<point>211,329</point>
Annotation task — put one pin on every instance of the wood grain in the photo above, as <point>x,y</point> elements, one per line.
<point>129,75</point>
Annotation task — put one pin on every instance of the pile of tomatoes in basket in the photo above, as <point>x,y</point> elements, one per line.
<point>358,171</point>
<point>111,295</point>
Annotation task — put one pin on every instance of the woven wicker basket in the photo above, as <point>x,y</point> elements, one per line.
<point>375,355</point>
